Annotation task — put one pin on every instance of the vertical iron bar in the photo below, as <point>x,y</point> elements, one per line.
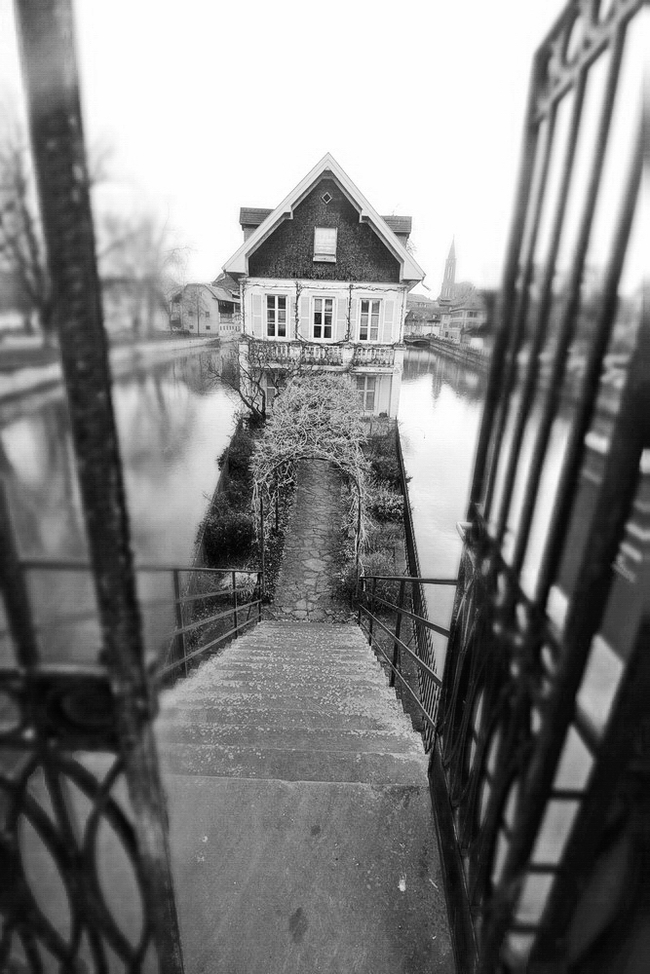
<point>626,731</point>
<point>631,434</point>
<point>262,545</point>
<point>259,602</point>
<point>46,29</point>
<point>14,589</point>
<point>181,650</point>
<point>567,326</point>
<point>372,608</point>
<point>234,602</point>
<point>589,393</point>
<point>397,656</point>
<point>495,377</point>
<point>520,305</point>
<point>543,311</point>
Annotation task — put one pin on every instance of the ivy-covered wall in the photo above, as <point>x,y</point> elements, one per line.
<point>289,251</point>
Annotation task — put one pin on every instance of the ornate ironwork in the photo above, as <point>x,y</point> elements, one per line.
<point>540,771</point>
<point>71,734</point>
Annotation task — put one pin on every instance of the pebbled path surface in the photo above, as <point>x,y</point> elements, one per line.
<point>306,586</point>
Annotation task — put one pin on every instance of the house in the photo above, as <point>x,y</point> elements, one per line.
<point>207,309</point>
<point>323,282</point>
<point>422,314</point>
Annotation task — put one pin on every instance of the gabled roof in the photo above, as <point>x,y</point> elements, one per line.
<point>410,270</point>
<point>227,283</point>
<point>252,216</point>
<point>216,290</point>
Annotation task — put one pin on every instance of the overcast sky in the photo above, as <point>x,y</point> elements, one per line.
<point>212,106</point>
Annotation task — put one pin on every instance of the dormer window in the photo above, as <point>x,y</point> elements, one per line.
<point>325,244</point>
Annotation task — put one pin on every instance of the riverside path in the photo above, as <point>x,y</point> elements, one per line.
<point>301,827</point>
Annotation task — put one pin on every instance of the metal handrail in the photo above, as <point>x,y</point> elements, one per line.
<point>429,683</point>
<point>176,643</point>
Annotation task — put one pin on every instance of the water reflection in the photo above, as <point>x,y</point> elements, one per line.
<point>439,415</point>
<point>173,422</point>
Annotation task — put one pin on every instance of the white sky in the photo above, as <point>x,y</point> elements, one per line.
<point>213,106</point>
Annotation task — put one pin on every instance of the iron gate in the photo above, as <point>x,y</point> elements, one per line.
<point>83,788</point>
<point>542,770</point>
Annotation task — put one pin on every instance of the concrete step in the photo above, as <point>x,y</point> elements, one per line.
<point>274,717</point>
<point>283,877</point>
<point>335,703</point>
<point>293,764</point>
<point>264,734</point>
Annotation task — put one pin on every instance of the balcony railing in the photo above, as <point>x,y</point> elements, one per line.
<point>302,353</point>
<point>381,356</point>
<point>315,353</point>
<point>321,355</point>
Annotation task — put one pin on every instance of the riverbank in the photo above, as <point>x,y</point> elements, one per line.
<point>25,378</point>
<point>473,358</point>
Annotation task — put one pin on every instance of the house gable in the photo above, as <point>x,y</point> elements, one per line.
<point>327,169</point>
<point>289,250</point>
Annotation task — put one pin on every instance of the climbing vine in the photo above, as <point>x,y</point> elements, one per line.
<point>315,417</point>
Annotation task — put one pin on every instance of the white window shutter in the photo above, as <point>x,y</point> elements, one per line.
<point>291,316</point>
<point>341,308</point>
<point>305,330</point>
<point>256,315</point>
<point>354,320</point>
<point>389,317</point>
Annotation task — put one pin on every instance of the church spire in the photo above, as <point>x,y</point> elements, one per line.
<point>449,277</point>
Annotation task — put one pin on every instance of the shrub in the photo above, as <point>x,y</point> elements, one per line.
<point>382,563</point>
<point>386,504</point>
<point>387,468</point>
<point>237,455</point>
<point>382,444</point>
<point>228,535</point>
<point>347,583</point>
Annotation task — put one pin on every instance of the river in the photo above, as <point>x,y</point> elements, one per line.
<point>439,415</point>
<point>173,421</point>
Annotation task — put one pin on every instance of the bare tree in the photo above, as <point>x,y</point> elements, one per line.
<point>22,254</point>
<point>252,374</point>
<point>135,252</point>
<point>133,246</point>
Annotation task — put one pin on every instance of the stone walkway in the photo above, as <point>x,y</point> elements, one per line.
<point>306,586</point>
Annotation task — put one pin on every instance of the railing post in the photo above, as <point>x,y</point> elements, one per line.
<point>262,573</point>
<point>234,602</point>
<point>181,652</point>
<point>372,609</point>
<point>259,601</point>
<point>397,653</point>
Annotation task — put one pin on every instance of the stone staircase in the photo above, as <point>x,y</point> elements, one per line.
<point>301,826</point>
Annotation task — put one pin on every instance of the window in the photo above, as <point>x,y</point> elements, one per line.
<point>322,317</point>
<point>369,321</point>
<point>276,315</point>
<point>325,244</point>
<point>366,384</point>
